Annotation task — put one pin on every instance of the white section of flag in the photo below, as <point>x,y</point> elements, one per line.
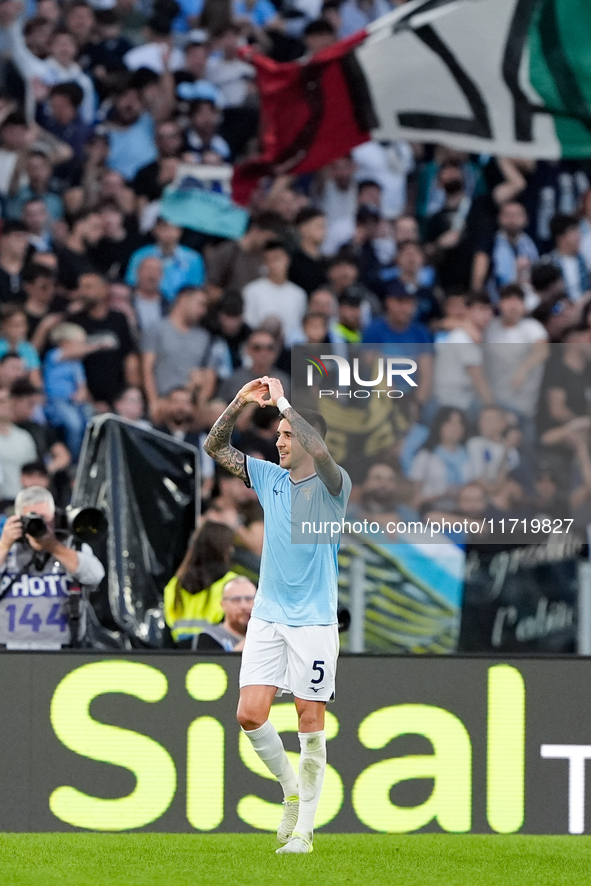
<point>406,75</point>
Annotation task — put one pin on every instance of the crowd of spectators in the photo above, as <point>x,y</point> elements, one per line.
<point>106,305</point>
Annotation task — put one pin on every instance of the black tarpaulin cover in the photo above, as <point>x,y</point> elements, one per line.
<point>147,484</point>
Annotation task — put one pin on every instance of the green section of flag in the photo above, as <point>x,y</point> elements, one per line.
<point>560,69</point>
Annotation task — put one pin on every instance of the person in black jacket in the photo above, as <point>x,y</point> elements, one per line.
<point>237,602</point>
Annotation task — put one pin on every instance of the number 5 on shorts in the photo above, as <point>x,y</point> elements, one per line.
<point>316,667</point>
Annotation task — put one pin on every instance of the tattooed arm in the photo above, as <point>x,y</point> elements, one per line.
<point>217,443</point>
<point>326,467</point>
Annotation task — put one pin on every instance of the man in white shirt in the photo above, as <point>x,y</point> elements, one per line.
<point>458,376</point>
<point>59,67</point>
<point>337,198</point>
<point>274,295</point>
<point>17,448</point>
<point>158,52</point>
<point>228,72</point>
<point>515,349</point>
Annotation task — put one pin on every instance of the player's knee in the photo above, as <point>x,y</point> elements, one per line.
<point>249,718</point>
<point>311,720</point>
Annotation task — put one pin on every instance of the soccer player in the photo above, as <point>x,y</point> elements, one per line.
<point>292,638</point>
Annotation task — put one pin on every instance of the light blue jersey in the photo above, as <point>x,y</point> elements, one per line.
<point>298,582</point>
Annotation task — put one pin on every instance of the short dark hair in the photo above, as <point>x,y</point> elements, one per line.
<point>320,27</point>
<point>187,290</point>
<point>231,303</point>
<point>264,416</point>
<point>478,297</point>
<point>314,315</point>
<point>16,118</point>
<point>561,223</point>
<point>543,275</point>
<point>177,389</point>
<point>71,91</point>
<point>344,256</point>
<point>404,244</point>
<point>9,355</point>
<point>38,21</point>
<point>106,17</point>
<point>142,77</point>
<point>195,105</point>
<point>81,216</point>
<point>367,214</point>
<point>306,214</point>
<point>368,183</point>
<point>32,271</point>
<point>34,467</point>
<point>77,3</point>
<point>314,418</point>
<point>10,309</point>
<point>511,290</point>
<point>275,244</point>
<point>63,32</point>
<point>267,221</point>
<point>13,226</point>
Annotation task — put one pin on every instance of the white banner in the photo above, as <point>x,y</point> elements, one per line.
<point>457,72</point>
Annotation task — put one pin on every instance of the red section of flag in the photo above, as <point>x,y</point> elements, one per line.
<point>309,115</point>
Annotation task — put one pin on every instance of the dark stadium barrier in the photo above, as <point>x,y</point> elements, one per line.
<point>150,742</point>
<point>147,485</point>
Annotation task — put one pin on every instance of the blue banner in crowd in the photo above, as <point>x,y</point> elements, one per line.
<point>199,200</point>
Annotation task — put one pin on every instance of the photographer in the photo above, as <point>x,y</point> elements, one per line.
<point>41,577</point>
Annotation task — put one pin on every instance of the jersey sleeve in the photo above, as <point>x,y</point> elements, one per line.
<point>262,475</point>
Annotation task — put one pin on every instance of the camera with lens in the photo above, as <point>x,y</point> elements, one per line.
<point>85,524</point>
<point>34,525</point>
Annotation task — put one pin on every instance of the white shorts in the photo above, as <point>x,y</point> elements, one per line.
<point>301,660</point>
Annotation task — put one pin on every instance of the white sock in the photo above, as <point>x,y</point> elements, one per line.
<point>312,767</point>
<point>266,742</point>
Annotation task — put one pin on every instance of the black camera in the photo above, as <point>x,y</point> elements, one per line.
<point>34,525</point>
<point>87,524</point>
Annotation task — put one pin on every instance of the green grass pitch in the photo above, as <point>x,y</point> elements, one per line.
<point>249,860</point>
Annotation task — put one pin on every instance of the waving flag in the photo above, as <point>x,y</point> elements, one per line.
<point>506,77</point>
